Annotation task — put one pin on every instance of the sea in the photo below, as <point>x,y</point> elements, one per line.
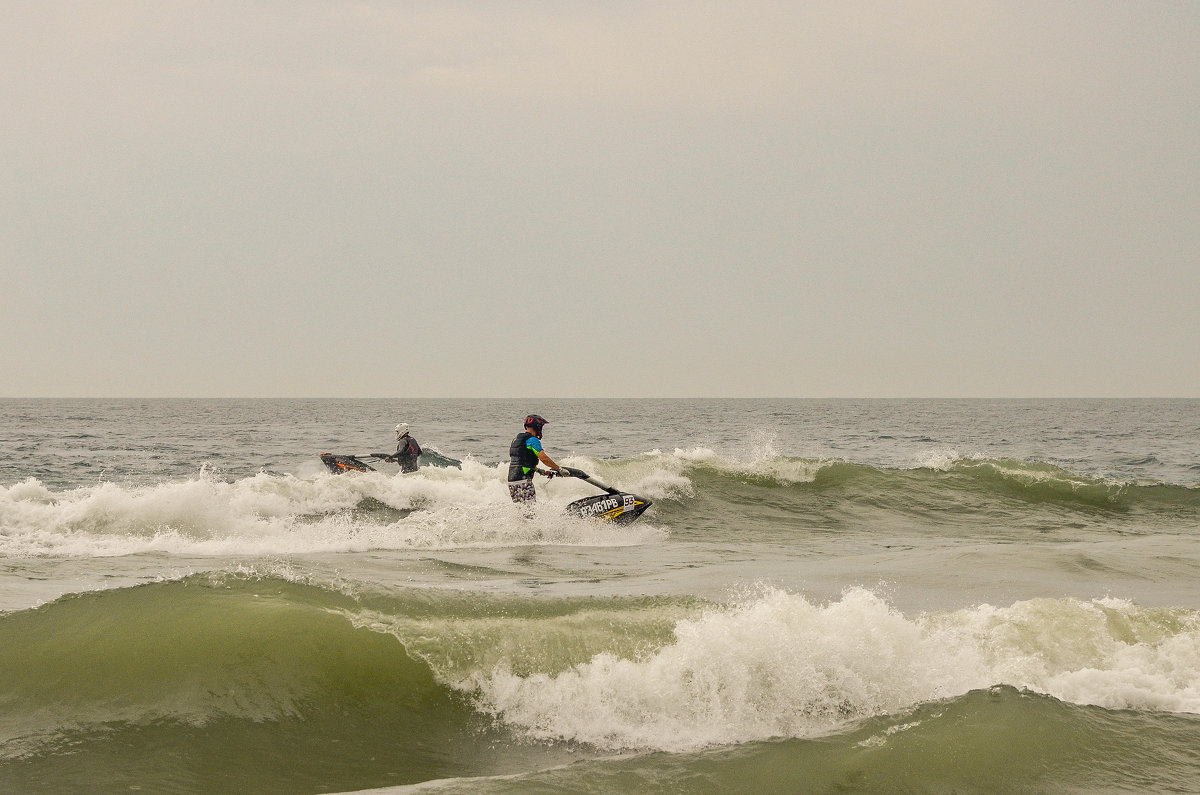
<point>825,596</point>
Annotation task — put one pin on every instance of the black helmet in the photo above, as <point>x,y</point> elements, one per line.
<point>535,422</point>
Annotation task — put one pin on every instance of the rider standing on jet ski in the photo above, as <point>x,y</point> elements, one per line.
<point>523,456</point>
<point>407,449</point>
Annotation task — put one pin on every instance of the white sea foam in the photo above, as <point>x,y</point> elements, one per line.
<point>762,461</point>
<point>772,664</point>
<point>940,459</point>
<point>273,514</point>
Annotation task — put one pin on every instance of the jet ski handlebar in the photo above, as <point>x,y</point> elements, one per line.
<point>571,472</point>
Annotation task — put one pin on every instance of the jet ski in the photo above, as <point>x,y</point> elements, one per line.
<point>613,506</point>
<point>345,463</point>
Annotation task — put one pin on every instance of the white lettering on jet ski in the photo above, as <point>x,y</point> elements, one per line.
<point>603,506</point>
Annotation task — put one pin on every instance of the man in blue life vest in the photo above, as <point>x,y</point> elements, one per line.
<point>523,456</point>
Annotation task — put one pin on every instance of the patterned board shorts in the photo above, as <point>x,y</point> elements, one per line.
<point>522,491</point>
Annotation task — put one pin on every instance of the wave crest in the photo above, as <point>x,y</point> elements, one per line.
<point>775,665</point>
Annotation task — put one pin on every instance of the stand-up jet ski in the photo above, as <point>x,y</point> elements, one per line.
<point>613,506</point>
<point>346,463</point>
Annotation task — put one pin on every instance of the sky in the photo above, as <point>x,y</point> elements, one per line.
<point>311,198</point>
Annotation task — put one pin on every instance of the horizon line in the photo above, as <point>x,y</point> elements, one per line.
<point>642,397</point>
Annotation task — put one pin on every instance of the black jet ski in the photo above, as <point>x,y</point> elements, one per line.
<point>613,506</point>
<point>345,463</point>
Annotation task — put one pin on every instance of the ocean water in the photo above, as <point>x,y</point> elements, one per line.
<point>826,596</point>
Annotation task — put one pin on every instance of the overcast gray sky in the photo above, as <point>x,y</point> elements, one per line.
<point>610,199</point>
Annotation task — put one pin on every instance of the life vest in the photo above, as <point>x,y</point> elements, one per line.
<point>521,460</point>
<point>407,451</point>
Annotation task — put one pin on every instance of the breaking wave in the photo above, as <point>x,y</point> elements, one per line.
<point>671,674</point>
<point>269,514</point>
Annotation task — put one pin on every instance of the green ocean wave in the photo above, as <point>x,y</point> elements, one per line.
<point>694,495</point>
<point>228,682</point>
<point>192,651</point>
<point>246,646</point>
<point>994,740</point>
<point>1029,481</point>
<point>978,496</point>
<point>242,681</point>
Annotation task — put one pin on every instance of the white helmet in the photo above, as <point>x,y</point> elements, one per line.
<point>402,430</point>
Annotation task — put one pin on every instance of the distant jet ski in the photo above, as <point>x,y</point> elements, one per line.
<point>613,506</point>
<point>344,463</point>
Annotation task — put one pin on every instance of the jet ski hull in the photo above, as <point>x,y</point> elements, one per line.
<point>619,508</point>
<point>344,463</point>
